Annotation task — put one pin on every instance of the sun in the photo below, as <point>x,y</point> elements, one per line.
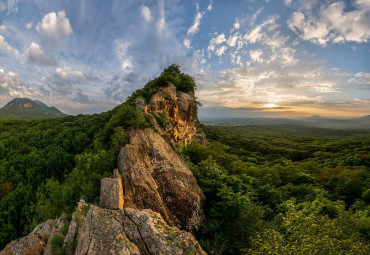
<point>269,105</point>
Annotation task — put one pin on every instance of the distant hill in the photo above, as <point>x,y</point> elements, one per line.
<point>27,109</point>
<point>314,121</point>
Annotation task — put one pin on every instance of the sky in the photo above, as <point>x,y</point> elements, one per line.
<point>276,58</point>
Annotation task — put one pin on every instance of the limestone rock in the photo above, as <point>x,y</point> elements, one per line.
<point>38,241</point>
<point>131,231</point>
<point>111,192</point>
<point>155,177</point>
<point>181,110</point>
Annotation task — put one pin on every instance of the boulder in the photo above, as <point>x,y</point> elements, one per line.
<point>156,178</point>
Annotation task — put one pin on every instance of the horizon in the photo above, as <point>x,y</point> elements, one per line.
<point>262,59</point>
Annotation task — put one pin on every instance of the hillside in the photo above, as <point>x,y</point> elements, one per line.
<point>27,109</point>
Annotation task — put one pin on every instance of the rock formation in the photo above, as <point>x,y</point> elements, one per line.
<point>181,111</point>
<point>111,192</point>
<point>155,177</point>
<point>38,241</point>
<point>131,231</point>
<point>97,231</point>
<point>151,193</point>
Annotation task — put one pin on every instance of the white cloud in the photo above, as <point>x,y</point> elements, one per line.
<point>287,2</point>
<point>231,41</point>
<point>10,85</point>
<point>361,78</point>
<point>236,24</point>
<point>187,43</point>
<point>161,24</point>
<point>55,27</point>
<point>333,24</point>
<point>67,73</point>
<point>256,55</point>
<point>146,13</point>
<point>5,46</point>
<point>214,45</point>
<point>220,51</point>
<point>35,55</point>
<point>3,27</point>
<point>29,25</point>
<point>9,6</point>
<point>197,20</point>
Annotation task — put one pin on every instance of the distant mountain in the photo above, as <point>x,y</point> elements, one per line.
<point>27,109</point>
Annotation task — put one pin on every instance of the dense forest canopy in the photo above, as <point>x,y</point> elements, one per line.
<point>267,190</point>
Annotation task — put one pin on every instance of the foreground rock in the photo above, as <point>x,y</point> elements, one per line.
<point>174,115</point>
<point>155,177</point>
<point>38,241</point>
<point>131,231</point>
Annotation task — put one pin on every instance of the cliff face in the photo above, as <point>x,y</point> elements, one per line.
<point>148,196</point>
<point>155,177</point>
<point>178,113</point>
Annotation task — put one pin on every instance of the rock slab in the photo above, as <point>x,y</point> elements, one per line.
<point>155,177</point>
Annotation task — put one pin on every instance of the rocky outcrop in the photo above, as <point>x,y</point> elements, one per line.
<point>148,199</point>
<point>38,241</point>
<point>131,231</point>
<point>111,192</point>
<point>156,178</point>
<point>174,115</point>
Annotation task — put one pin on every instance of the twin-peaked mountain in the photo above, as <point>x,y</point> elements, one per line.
<point>27,109</point>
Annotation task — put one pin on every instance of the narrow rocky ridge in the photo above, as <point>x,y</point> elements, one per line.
<point>147,197</point>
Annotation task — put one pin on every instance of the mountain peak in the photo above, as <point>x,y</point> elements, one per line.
<point>27,109</point>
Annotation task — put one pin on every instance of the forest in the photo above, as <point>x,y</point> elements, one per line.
<point>269,189</point>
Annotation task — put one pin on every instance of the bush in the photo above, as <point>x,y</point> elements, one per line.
<point>57,245</point>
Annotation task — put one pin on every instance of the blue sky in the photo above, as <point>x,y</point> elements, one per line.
<point>277,58</point>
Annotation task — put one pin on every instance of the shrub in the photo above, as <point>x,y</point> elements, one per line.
<point>57,245</point>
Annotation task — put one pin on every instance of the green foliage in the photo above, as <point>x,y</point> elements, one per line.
<point>65,228</point>
<point>57,245</point>
<point>270,192</point>
<point>162,119</point>
<point>172,74</point>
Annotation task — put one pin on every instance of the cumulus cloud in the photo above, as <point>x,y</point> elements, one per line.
<point>3,27</point>
<point>35,55</point>
<point>146,13</point>
<point>5,46</point>
<point>214,44</point>
<point>10,85</point>
<point>55,27</point>
<point>333,24</point>
<point>29,25</point>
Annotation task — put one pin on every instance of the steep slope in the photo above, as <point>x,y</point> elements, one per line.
<point>27,109</point>
<point>155,177</point>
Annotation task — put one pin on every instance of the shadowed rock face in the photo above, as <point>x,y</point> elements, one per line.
<point>38,241</point>
<point>155,177</point>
